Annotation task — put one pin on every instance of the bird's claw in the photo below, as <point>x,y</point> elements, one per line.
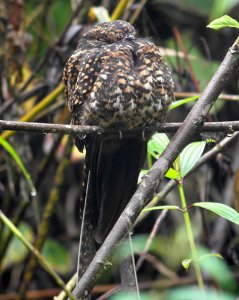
<point>143,134</point>
<point>120,134</point>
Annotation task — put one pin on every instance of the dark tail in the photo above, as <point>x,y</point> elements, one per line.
<point>114,166</point>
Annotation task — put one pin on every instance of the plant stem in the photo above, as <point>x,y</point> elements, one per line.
<point>191,240</point>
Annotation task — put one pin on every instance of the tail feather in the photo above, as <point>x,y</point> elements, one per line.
<point>114,164</point>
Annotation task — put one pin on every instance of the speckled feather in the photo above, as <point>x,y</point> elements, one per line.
<point>114,79</point>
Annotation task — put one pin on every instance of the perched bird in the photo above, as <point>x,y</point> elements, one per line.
<point>115,80</point>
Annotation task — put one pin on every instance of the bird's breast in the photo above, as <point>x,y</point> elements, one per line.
<point>126,103</point>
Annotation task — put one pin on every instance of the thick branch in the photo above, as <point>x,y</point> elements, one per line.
<point>228,127</point>
<point>145,191</point>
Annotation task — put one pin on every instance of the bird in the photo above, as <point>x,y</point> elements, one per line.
<point>115,79</point>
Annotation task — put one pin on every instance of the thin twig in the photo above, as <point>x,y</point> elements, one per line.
<point>222,96</point>
<point>181,44</point>
<point>153,233</point>
<point>228,127</point>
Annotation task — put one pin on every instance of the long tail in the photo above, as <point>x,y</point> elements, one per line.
<point>114,166</point>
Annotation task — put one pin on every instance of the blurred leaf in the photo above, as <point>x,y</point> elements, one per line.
<point>209,255</point>
<point>60,12</point>
<point>220,209</point>
<point>131,296</point>
<point>178,103</point>
<point>187,262</point>
<point>217,269</point>
<point>101,13</point>
<point>220,7</point>
<point>19,162</point>
<point>171,249</point>
<point>57,256</point>
<point>203,68</point>
<point>157,144</point>
<point>16,251</point>
<point>190,155</point>
<point>189,293</point>
<point>160,207</point>
<point>223,22</point>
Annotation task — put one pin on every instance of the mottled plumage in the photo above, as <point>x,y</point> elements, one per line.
<point>114,79</point>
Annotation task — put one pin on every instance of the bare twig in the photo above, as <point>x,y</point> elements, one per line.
<point>228,127</point>
<point>222,96</point>
<point>153,232</point>
<point>150,182</point>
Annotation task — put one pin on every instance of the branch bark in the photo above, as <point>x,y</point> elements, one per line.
<point>228,127</point>
<point>144,193</point>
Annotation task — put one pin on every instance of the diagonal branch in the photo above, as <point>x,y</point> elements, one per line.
<point>144,193</point>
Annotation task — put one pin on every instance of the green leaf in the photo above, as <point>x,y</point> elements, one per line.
<point>19,162</point>
<point>172,174</point>
<point>223,22</point>
<point>195,293</point>
<point>220,209</point>
<point>131,296</point>
<point>217,268</point>
<point>210,255</point>
<point>182,102</point>
<point>190,155</point>
<point>221,7</point>
<point>16,251</point>
<point>161,207</point>
<point>157,144</point>
<point>57,256</point>
<point>186,263</point>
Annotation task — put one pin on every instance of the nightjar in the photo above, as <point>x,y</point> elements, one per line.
<point>116,80</point>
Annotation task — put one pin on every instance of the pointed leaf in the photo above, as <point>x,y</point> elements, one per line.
<point>220,209</point>
<point>178,103</point>
<point>223,22</point>
<point>190,155</point>
<point>19,162</point>
<point>210,255</point>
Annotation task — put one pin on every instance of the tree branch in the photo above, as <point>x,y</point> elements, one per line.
<point>228,127</point>
<point>145,191</point>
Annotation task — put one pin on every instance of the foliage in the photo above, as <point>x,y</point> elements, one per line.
<point>37,38</point>
<point>223,22</point>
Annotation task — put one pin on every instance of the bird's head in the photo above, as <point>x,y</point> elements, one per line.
<point>111,32</point>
